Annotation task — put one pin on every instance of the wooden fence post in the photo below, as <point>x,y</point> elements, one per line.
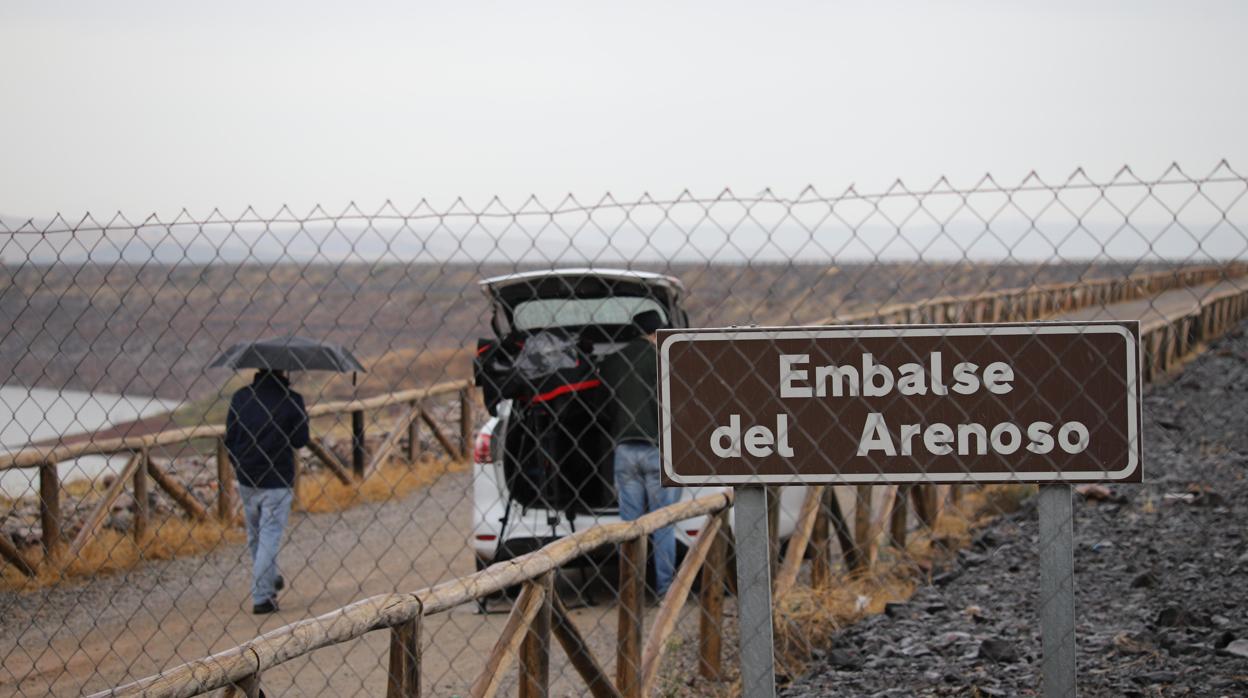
<point>799,542</point>
<point>579,656</point>
<point>631,614</point>
<point>140,497</point>
<point>50,511</point>
<point>358,460</point>
<point>294,482</point>
<point>844,537</point>
<point>821,557</point>
<point>711,600</point>
<point>535,650</point>
<point>247,687</point>
<point>391,442</point>
<point>330,461</point>
<point>862,524</point>
<point>899,517</point>
<point>405,660</point>
<point>523,611</point>
<point>9,552</point>
<point>176,491</point>
<point>452,451</point>
<point>413,433</point>
<point>225,484</point>
<point>921,501</point>
<point>100,512</point>
<point>674,600</point>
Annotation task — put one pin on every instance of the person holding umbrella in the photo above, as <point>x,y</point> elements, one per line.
<point>267,422</point>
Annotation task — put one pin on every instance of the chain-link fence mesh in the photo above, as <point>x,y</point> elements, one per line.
<point>507,402</point>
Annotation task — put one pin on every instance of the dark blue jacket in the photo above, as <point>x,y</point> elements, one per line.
<point>267,422</point>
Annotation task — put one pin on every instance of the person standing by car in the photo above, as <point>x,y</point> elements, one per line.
<point>266,423</point>
<point>632,375</point>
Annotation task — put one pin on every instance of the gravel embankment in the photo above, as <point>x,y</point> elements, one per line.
<point>1162,575</point>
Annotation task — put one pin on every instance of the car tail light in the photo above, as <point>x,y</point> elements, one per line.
<point>481,448</point>
<point>693,532</point>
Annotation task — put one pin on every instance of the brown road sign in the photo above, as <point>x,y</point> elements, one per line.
<point>1035,402</point>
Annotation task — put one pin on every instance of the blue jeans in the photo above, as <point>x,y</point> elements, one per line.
<point>266,512</point>
<point>637,483</point>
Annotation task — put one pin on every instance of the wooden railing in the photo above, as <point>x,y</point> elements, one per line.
<point>59,552</point>
<point>536,615</point>
<point>1033,302</point>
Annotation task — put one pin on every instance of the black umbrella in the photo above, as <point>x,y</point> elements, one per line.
<point>288,354</point>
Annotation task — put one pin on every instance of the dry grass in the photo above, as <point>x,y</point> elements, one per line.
<point>320,492</point>
<point>112,551</point>
<point>398,369</point>
<point>806,618</point>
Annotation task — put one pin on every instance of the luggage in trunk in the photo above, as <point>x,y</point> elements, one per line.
<point>557,451</point>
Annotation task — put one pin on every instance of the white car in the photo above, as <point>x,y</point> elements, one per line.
<point>542,463</point>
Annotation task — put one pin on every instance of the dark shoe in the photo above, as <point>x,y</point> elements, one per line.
<point>279,584</point>
<point>261,609</point>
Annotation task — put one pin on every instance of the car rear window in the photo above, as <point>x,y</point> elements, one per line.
<point>570,312</point>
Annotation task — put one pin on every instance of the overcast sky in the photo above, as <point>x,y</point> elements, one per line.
<point>152,106</point>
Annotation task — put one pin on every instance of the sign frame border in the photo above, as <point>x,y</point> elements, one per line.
<point>1127,329</point>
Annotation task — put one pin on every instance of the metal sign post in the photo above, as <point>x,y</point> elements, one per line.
<point>1057,590</point>
<point>1051,403</point>
<point>758,677</point>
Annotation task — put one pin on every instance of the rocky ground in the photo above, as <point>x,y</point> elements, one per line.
<point>1162,575</point>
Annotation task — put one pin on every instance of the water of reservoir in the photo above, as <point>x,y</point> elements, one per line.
<point>33,415</point>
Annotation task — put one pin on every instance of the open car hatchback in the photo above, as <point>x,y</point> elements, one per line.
<point>543,462</point>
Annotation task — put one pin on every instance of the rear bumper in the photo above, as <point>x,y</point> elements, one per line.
<point>532,530</point>
<point>525,526</point>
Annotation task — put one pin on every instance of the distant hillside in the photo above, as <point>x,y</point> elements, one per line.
<point>152,329</point>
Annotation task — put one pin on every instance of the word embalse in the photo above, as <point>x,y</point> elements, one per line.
<point>797,381</point>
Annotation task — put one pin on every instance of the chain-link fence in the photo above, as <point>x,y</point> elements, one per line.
<point>464,484</point>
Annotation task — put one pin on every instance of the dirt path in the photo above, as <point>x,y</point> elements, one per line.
<point>108,630</point>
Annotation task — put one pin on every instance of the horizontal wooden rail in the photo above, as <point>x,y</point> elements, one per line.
<point>34,456</point>
<point>388,399</point>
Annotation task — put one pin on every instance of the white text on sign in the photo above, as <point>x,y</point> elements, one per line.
<point>800,380</point>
